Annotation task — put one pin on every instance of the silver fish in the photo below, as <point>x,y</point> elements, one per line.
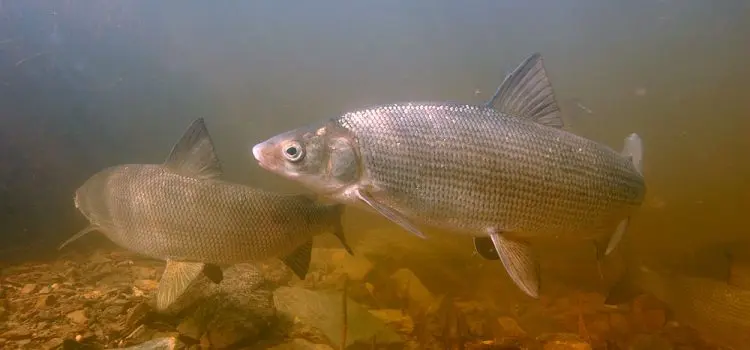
<point>717,309</point>
<point>182,212</point>
<point>503,172</point>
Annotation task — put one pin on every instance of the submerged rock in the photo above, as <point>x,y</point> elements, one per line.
<point>301,344</point>
<point>168,343</point>
<point>650,342</point>
<point>396,319</point>
<point>78,316</point>
<point>417,296</point>
<point>232,312</point>
<point>323,310</point>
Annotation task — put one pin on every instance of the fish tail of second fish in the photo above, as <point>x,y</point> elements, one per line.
<point>337,214</point>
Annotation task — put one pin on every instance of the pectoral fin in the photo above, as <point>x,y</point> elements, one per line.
<point>299,259</point>
<point>617,236</point>
<point>389,213</point>
<point>519,261</point>
<point>175,280</point>
<point>78,235</point>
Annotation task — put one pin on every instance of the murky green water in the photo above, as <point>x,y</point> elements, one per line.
<point>84,86</point>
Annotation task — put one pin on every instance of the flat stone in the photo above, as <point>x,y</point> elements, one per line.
<point>28,288</point>
<point>78,316</point>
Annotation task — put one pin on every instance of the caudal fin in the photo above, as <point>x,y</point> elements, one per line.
<point>633,149</point>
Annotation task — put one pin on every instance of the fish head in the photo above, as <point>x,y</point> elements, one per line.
<point>88,198</point>
<point>81,200</point>
<point>322,157</point>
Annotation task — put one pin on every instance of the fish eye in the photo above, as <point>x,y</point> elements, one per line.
<point>293,151</point>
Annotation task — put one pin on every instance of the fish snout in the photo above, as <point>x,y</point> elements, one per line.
<point>263,153</point>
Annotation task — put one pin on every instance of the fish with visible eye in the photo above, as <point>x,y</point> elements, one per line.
<point>181,211</point>
<point>503,172</point>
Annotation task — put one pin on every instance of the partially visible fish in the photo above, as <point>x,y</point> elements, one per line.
<point>182,212</point>
<point>503,172</point>
<point>719,310</point>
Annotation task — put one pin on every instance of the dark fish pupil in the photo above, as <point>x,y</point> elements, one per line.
<point>291,151</point>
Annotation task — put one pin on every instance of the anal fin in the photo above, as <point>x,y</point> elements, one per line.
<point>299,260</point>
<point>518,259</point>
<point>213,273</point>
<point>78,235</point>
<point>177,277</point>
<point>389,213</point>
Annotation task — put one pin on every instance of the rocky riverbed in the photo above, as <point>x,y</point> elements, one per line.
<point>103,300</point>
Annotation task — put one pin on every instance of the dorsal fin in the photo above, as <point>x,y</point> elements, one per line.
<point>527,93</point>
<point>194,154</point>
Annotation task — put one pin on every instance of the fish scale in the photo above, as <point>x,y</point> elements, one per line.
<point>182,212</point>
<point>472,167</point>
<point>214,222</point>
<point>502,172</point>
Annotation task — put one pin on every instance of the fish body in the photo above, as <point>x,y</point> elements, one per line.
<point>502,172</point>
<point>717,309</point>
<point>157,212</point>
<point>182,212</point>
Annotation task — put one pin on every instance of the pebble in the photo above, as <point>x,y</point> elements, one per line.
<point>78,316</point>
<point>510,328</point>
<point>190,328</point>
<point>416,293</point>
<point>137,314</point>
<point>396,319</point>
<point>46,301</point>
<point>28,288</point>
<point>301,344</point>
<point>146,285</point>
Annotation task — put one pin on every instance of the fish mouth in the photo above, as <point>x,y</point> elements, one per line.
<point>258,153</point>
